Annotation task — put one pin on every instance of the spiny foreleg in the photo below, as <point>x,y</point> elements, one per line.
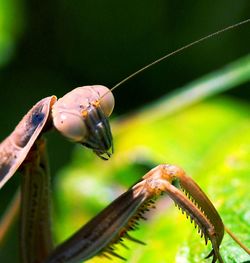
<point>100,235</point>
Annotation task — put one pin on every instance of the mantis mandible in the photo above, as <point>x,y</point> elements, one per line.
<point>82,117</point>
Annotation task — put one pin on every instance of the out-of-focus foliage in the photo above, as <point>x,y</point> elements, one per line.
<point>210,140</point>
<point>11,25</point>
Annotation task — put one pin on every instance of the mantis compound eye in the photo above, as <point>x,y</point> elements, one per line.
<point>81,115</point>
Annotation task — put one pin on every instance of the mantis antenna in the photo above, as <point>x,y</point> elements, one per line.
<point>176,52</point>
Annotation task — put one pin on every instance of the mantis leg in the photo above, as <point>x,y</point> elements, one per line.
<point>100,235</point>
<point>36,237</point>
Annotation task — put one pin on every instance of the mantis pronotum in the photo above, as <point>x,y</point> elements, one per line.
<point>81,116</point>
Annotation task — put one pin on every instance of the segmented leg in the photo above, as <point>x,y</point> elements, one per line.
<point>36,238</point>
<point>99,236</point>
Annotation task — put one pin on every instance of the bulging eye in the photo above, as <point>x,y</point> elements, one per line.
<point>70,125</point>
<point>107,102</point>
<point>81,116</point>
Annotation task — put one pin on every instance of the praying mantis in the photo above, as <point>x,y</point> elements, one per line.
<point>81,116</point>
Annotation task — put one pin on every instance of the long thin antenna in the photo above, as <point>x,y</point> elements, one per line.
<point>175,52</point>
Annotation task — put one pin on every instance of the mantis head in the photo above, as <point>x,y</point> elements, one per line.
<point>81,116</point>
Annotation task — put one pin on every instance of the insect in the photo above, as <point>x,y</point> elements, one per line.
<point>81,116</point>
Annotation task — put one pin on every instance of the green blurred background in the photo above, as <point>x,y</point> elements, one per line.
<point>50,47</point>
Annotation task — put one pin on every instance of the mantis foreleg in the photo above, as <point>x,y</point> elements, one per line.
<point>100,235</point>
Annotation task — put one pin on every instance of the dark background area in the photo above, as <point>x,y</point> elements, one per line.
<point>55,46</point>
